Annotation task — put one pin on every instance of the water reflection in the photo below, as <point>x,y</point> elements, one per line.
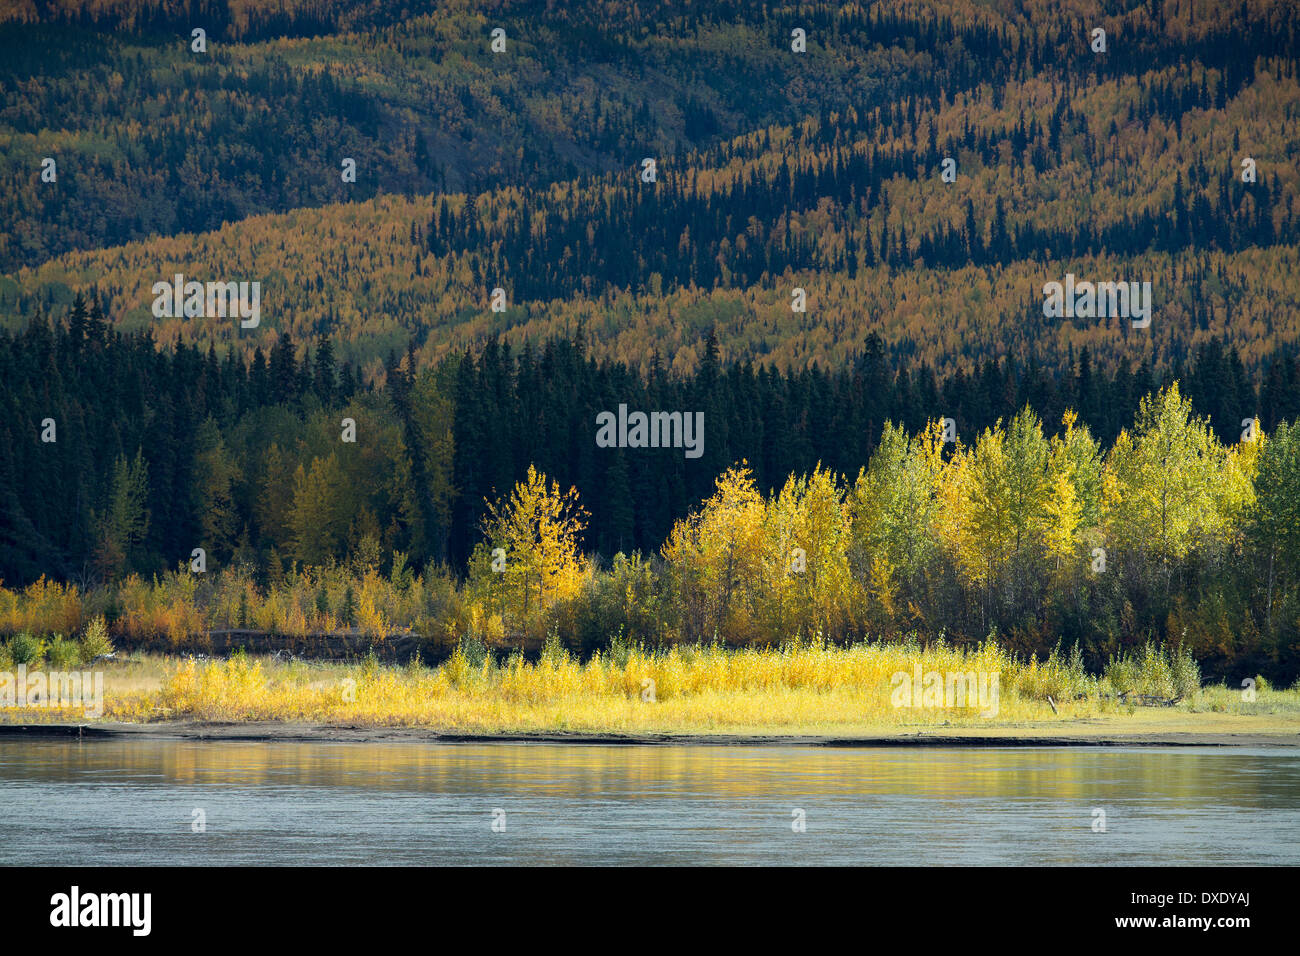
<point>132,801</point>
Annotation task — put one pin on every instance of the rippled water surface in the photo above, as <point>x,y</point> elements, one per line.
<point>133,802</point>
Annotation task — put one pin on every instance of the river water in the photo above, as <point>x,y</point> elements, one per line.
<point>135,801</point>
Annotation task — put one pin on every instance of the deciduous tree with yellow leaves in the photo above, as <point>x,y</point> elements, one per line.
<point>716,557</point>
<point>539,530</point>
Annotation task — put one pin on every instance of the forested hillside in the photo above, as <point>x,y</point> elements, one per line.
<point>774,170</point>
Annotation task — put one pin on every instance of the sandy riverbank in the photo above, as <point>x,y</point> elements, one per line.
<point>1096,733</point>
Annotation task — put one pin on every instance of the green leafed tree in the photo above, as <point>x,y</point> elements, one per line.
<point>1165,480</point>
<point>894,506</point>
<point>1273,522</point>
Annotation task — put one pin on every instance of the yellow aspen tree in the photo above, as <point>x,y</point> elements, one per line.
<point>540,528</point>
<point>808,529</point>
<point>1062,512</point>
<point>717,557</point>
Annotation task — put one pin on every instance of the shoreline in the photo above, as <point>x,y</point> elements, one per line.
<point>276,732</point>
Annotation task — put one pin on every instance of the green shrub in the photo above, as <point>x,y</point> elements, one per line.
<point>95,642</point>
<point>370,665</point>
<point>620,649</point>
<point>473,650</point>
<point>25,649</point>
<point>1155,672</point>
<point>1062,677</point>
<point>1121,674</point>
<point>1155,676</point>
<point>62,653</point>
<point>1186,672</point>
<point>553,649</point>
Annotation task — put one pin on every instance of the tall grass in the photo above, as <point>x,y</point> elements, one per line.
<point>186,608</point>
<point>627,687</point>
<point>1154,671</point>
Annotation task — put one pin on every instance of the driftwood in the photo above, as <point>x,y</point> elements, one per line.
<point>1148,700</point>
<point>1144,700</point>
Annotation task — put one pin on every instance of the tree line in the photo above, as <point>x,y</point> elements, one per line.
<point>155,452</point>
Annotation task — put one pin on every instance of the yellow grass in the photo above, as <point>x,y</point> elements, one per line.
<point>799,690</point>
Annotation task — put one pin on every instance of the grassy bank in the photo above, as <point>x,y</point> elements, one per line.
<point>798,689</point>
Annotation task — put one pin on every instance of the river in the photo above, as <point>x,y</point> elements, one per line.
<point>124,802</point>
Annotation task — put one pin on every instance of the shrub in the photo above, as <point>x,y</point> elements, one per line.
<point>1186,672</point>
<point>95,642</point>
<point>473,650</point>
<point>466,662</point>
<point>1155,671</point>
<point>553,648</point>
<point>1155,676</point>
<point>62,653</point>
<point>25,649</point>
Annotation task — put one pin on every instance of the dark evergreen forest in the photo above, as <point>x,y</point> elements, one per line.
<point>114,396</point>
